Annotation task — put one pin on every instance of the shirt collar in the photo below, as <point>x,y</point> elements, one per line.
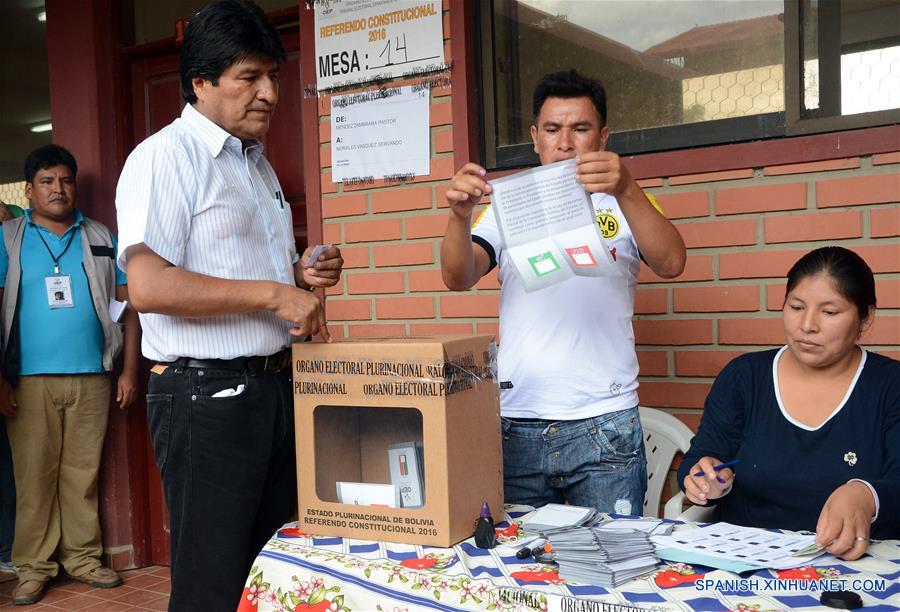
<point>79,219</point>
<point>214,137</point>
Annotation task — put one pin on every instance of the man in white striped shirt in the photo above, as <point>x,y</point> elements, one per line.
<point>208,245</point>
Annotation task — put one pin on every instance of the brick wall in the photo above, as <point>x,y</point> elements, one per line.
<point>743,228</point>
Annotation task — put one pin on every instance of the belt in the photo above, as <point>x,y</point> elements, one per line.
<point>269,364</point>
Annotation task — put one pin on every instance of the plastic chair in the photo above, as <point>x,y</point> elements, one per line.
<point>664,435</point>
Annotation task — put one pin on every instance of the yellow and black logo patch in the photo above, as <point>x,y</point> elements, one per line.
<point>609,225</point>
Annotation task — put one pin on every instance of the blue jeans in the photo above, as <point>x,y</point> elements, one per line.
<point>597,462</point>
<point>7,496</point>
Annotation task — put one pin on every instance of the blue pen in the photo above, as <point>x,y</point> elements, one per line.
<point>721,466</point>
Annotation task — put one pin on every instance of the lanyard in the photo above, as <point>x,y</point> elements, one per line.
<point>56,258</point>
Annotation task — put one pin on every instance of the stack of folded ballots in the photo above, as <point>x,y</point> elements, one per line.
<point>555,517</point>
<point>604,557</point>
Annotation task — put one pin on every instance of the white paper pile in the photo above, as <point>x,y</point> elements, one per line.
<point>554,517</point>
<point>604,557</point>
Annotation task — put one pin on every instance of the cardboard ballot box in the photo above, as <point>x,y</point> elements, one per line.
<point>356,398</point>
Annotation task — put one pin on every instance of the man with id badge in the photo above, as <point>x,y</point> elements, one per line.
<point>62,299</point>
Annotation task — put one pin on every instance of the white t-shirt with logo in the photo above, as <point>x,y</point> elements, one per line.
<point>568,349</point>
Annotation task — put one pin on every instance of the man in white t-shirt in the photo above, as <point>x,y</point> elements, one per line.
<point>567,363</point>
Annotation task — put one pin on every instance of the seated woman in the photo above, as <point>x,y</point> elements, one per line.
<point>815,424</point>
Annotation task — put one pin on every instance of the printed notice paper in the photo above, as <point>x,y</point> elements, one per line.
<point>380,134</point>
<point>548,227</point>
<point>364,40</point>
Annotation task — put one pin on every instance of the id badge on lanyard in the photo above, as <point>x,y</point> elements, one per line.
<point>59,291</point>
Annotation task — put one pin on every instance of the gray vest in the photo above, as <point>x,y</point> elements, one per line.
<point>98,261</point>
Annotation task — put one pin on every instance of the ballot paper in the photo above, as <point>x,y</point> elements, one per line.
<point>728,546</point>
<point>548,226</point>
<point>605,557</point>
<point>650,526</point>
<point>554,517</point>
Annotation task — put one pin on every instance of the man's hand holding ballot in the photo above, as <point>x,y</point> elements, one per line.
<point>568,238</point>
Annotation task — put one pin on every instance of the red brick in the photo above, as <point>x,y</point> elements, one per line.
<point>681,205</point>
<point>410,254</point>
<point>426,226</point>
<point>653,363</point>
<point>441,169</point>
<point>374,282</point>
<point>761,198</point>
<point>348,310</point>
<point>872,189</point>
<point>696,268</point>
<point>744,298</point>
<point>337,330</point>
<point>405,308</point>
<point>446,24</point>
<point>471,305</point>
<point>325,156</point>
<point>718,233</point>
<point>651,301</point>
<point>887,293</point>
<point>441,114</point>
<point>673,331</point>
<point>848,163</point>
<point>443,141</point>
<point>401,198</point>
<point>325,131</point>
<point>813,226</point>
<point>895,355</point>
<point>328,186</point>
<point>426,280</point>
<point>886,158</point>
<point>673,395</point>
<point>440,329</point>
<point>763,331</point>
<point>702,363</point>
<point>440,198</point>
<point>377,330</point>
<point>758,264</point>
<point>488,281</point>
<point>885,330</point>
<point>650,183</point>
<point>708,177</point>
<point>883,257</point>
<point>372,231</point>
<point>884,222</point>
<point>331,233</point>
<point>355,257</point>
<point>492,329</point>
<point>775,296</point>
<point>343,205</point>
<point>337,289</point>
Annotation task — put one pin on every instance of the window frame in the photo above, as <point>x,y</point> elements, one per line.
<point>793,121</point>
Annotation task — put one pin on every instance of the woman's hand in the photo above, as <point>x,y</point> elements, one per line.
<point>845,521</point>
<point>711,485</point>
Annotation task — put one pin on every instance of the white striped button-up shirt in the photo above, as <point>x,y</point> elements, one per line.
<point>200,200</point>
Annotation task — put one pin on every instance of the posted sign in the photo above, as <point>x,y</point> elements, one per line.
<point>361,41</point>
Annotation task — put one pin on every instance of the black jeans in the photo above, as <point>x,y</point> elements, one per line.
<point>229,475</point>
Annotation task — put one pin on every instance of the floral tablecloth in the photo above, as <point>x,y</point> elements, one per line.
<point>295,572</point>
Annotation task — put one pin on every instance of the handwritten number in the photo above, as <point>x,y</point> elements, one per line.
<point>398,48</point>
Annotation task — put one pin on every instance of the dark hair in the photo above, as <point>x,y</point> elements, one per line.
<point>46,157</point>
<point>222,33</point>
<point>851,274</point>
<point>569,84</point>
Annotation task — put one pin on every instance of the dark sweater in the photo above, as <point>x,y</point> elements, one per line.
<point>786,471</point>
